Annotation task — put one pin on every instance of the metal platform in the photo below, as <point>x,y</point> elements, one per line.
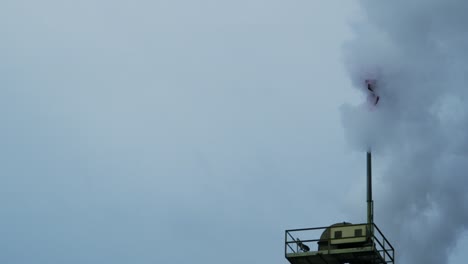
<point>322,245</point>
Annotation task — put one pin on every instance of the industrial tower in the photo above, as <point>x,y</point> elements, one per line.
<point>341,243</point>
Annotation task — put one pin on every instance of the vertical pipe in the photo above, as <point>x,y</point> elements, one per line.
<point>370,213</point>
<point>370,203</point>
<point>286,243</point>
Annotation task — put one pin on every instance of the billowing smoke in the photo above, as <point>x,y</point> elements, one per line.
<point>417,51</point>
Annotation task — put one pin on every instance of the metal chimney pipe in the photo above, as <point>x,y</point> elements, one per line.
<point>370,202</point>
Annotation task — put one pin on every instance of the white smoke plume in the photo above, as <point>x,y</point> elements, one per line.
<point>418,52</point>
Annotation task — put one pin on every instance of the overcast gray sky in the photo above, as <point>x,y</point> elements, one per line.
<point>173,131</point>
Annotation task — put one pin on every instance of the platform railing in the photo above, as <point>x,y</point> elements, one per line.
<point>305,240</point>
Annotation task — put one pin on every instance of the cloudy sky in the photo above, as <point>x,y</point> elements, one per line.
<point>178,131</point>
<point>417,52</point>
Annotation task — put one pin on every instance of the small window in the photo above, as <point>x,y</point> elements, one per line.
<point>338,234</point>
<point>357,232</point>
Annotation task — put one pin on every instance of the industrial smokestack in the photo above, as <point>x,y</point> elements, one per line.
<point>370,202</point>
